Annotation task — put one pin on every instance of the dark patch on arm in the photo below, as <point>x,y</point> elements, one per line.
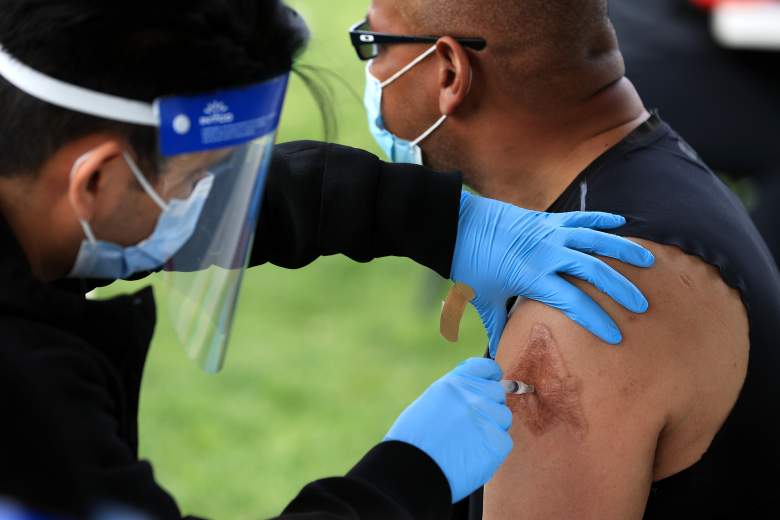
<point>557,400</point>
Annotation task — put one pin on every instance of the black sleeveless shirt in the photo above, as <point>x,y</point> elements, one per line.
<point>657,181</point>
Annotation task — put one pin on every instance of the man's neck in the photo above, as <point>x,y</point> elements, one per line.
<point>531,162</point>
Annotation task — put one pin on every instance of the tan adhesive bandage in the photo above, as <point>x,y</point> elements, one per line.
<point>452,310</point>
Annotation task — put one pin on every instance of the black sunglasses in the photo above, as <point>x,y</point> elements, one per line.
<point>367,42</point>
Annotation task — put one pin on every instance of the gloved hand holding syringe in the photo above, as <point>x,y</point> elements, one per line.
<point>462,422</point>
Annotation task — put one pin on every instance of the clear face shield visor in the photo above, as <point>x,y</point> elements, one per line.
<point>214,154</point>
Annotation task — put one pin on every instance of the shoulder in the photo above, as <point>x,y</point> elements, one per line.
<point>669,196</point>
<point>692,342</point>
<point>655,174</point>
<point>41,347</point>
<point>78,382</point>
<point>607,420</point>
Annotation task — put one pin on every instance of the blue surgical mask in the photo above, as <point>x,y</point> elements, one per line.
<point>175,226</point>
<point>397,150</point>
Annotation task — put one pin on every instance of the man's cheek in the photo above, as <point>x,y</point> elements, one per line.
<point>396,113</point>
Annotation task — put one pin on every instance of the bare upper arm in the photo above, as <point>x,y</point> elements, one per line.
<point>607,421</point>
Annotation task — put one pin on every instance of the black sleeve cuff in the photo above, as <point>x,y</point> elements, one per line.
<point>425,206</point>
<point>409,477</point>
<point>374,209</point>
<point>325,199</point>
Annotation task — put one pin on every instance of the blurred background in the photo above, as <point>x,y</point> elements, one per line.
<point>322,359</point>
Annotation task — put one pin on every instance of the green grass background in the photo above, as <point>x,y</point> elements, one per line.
<point>323,359</point>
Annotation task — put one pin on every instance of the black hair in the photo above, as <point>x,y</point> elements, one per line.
<point>137,49</point>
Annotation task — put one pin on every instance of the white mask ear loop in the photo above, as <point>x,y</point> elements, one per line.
<point>431,130</point>
<point>145,184</point>
<point>88,233</point>
<point>443,118</point>
<point>84,224</point>
<point>409,67</point>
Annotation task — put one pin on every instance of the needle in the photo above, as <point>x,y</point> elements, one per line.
<point>517,387</point>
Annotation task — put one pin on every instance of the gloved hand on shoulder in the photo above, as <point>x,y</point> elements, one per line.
<point>504,251</point>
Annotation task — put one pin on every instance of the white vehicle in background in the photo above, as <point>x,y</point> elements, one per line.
<point>746,24</point>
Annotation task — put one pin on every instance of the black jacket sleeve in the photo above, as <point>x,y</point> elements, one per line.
<point>394,481</point>
<point>325,199</point>
<point>87,438</point>
<point>85,435</point>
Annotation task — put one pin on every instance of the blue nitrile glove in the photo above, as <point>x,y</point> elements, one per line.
<point>504,251</point>
<point>462,423</point>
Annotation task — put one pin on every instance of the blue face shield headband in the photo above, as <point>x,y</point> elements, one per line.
<point>398,150</point>
<point>219,143</point>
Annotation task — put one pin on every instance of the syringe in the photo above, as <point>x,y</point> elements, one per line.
<point>517,387</point>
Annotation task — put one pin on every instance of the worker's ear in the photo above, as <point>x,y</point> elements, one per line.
<point>455,75</point>
<point>88,178</point>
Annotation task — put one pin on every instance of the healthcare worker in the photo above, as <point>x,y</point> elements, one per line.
<point>137,137</point>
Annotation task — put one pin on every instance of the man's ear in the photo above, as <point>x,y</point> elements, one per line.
<point>86,179</point>
<point>455,74</point>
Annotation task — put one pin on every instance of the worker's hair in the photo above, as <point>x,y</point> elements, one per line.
<point>138,49</point>
<point>538,45</point>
